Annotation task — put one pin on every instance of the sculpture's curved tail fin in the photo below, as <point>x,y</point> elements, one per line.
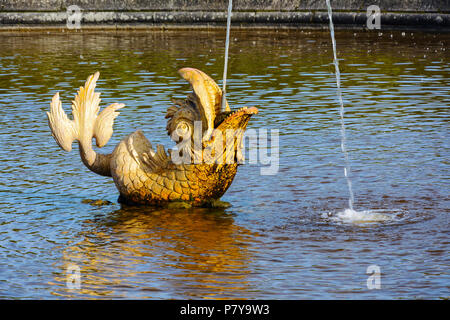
<point>86,124</point>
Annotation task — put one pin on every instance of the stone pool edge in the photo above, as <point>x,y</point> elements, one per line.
<point>107,20</point>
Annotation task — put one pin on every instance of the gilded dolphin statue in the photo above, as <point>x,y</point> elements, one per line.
<point>198,172</point>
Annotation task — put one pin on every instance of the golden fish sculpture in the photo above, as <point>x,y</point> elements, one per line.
<point>197,173</point>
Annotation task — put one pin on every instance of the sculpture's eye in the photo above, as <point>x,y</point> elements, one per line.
<point>183,131</point>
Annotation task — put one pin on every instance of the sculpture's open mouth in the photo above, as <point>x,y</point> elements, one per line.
<point>246,110</point>
<point>237,117</point>
<point>241,112</point>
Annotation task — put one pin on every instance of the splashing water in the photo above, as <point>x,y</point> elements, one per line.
<point>351,200</point>
<point>364,217</point>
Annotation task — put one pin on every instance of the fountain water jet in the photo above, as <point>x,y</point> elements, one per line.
<point>350,215</point>
<point>351,200</point>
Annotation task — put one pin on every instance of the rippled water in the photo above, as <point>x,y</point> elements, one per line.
<point>286,236</point>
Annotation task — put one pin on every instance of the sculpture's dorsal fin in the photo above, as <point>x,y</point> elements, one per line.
<point>208,94</point>
<point>142,151</point>
<point>155,161</point>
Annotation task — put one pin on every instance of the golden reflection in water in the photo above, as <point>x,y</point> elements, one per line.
<point>196,253</point>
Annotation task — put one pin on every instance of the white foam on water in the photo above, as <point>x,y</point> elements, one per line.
<point>364,217</point>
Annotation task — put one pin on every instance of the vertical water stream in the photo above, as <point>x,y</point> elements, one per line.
<point>341,111</point>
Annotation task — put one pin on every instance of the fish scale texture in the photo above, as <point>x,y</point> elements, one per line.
<point>195,183</point>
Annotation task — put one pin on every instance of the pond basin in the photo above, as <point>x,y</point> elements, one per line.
<point>285,235</point>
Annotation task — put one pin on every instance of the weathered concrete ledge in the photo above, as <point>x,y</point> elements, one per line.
<point>243,19</point>
<point>413,14</point>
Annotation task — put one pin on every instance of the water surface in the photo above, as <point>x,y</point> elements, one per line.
<point>286,236</point>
